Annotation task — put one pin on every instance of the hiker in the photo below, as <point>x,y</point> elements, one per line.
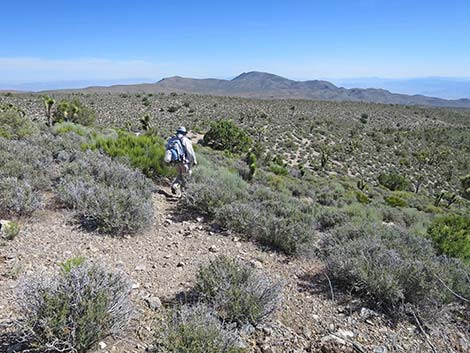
<point>179,150</point>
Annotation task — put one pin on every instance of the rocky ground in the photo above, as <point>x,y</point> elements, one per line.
<point>162,262</point>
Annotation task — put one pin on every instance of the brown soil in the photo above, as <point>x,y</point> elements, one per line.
<point>162,262</point>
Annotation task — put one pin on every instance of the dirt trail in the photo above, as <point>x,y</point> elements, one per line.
<point>162,261</point>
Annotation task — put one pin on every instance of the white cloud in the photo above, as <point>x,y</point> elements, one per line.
<point>37,69</point>
<point>25,69</point>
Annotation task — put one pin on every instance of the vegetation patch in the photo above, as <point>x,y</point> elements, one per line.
<point>145,152</point>
<point>73,309</point>
<point>393,182</point>
<point>195,329</point>
<point>451,235</point>
<point>106,195</point>
<point>225,135</point>
<point>393,268</point>
<point>237,292</point>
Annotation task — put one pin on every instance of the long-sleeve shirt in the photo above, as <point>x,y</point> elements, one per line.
<point>188,147</point>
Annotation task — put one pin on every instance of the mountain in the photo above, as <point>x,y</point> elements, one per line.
<point>442,87</point>
<point>265,85</point>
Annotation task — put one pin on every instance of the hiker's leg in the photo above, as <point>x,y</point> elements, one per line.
<point>184,174</point>
<point>179,180</point>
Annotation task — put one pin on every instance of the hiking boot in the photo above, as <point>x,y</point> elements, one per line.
<point>176,190</point>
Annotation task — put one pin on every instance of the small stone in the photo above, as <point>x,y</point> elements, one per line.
<point>380,349</point>
<point>345,333</point>
<point>268,331</point>
<point>167,256</point>
<point>367,313</point>
<point>180,264</point>
<point>135,286</point>
<point>140,267</point>
<point>168,222</point>
<point>200,219</point>
<point>153,303</point>
<point>334,339</point>
<point>102,345</point>
<point>257,264</point>
<point>213,249</point>
<point>268,349</point>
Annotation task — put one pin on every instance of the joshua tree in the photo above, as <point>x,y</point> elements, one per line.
<point>145,122</point>
<point>466,186</point>
<point>48,103</point>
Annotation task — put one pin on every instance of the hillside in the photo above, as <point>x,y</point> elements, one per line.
<point>306,226</point>
<point>268,86</point>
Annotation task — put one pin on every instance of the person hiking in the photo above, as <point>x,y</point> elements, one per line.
<point>179,150</point>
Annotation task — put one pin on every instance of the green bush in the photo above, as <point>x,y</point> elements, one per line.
<point>145,152</point>
<point>105,194</point>
<point>331,217</point>
<point>15,125</point>
<point>195,330</point>
<point>395,201</point>
<point>278,170</point>
<point>227,136</point>
<point>75,112</point>
<point>393,181</point>
<point>451,235</point>
<point>74,309</point>
<point>9,229</point>
<point>67,126</point>
<point>237,292</point>
<point>362,198</point>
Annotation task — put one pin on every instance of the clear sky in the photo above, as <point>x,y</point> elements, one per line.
<point>102,39</point>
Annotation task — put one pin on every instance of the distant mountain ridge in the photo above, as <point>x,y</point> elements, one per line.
<point>256,84</point>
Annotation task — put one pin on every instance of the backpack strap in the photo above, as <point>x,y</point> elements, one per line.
<point>184,149</point>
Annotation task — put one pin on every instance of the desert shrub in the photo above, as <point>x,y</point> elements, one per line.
<point>27,161</point>
<point>362,198</point>
<point>237,292</point>
<point>75,112</point>
<point>145,152</point>
<point>226,135</point>
<point>331,217</point>
<point>390,267</point>
<point>451,235</point>
<point>18,198</point>
<point>279,221</point>
<point>212,188</point>
<point>15,125</point>
<point>195,329</point>
<point>358,212</point>
<point>105,194</point>
<point>395,201</point>
<point>465,181</point>
<point>283,223</point>
<point>67,126</point>
<point>453,273</point>
<point>278,170</point>
<point>9,229</point>
<point>72,310</point>
<point>393,181</point>
<point>392,215</point>
<point>25,172</point>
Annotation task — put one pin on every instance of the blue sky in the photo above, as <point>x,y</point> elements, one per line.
<point>112,40</point>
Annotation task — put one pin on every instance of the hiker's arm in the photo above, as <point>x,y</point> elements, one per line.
<point>190,152</point>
